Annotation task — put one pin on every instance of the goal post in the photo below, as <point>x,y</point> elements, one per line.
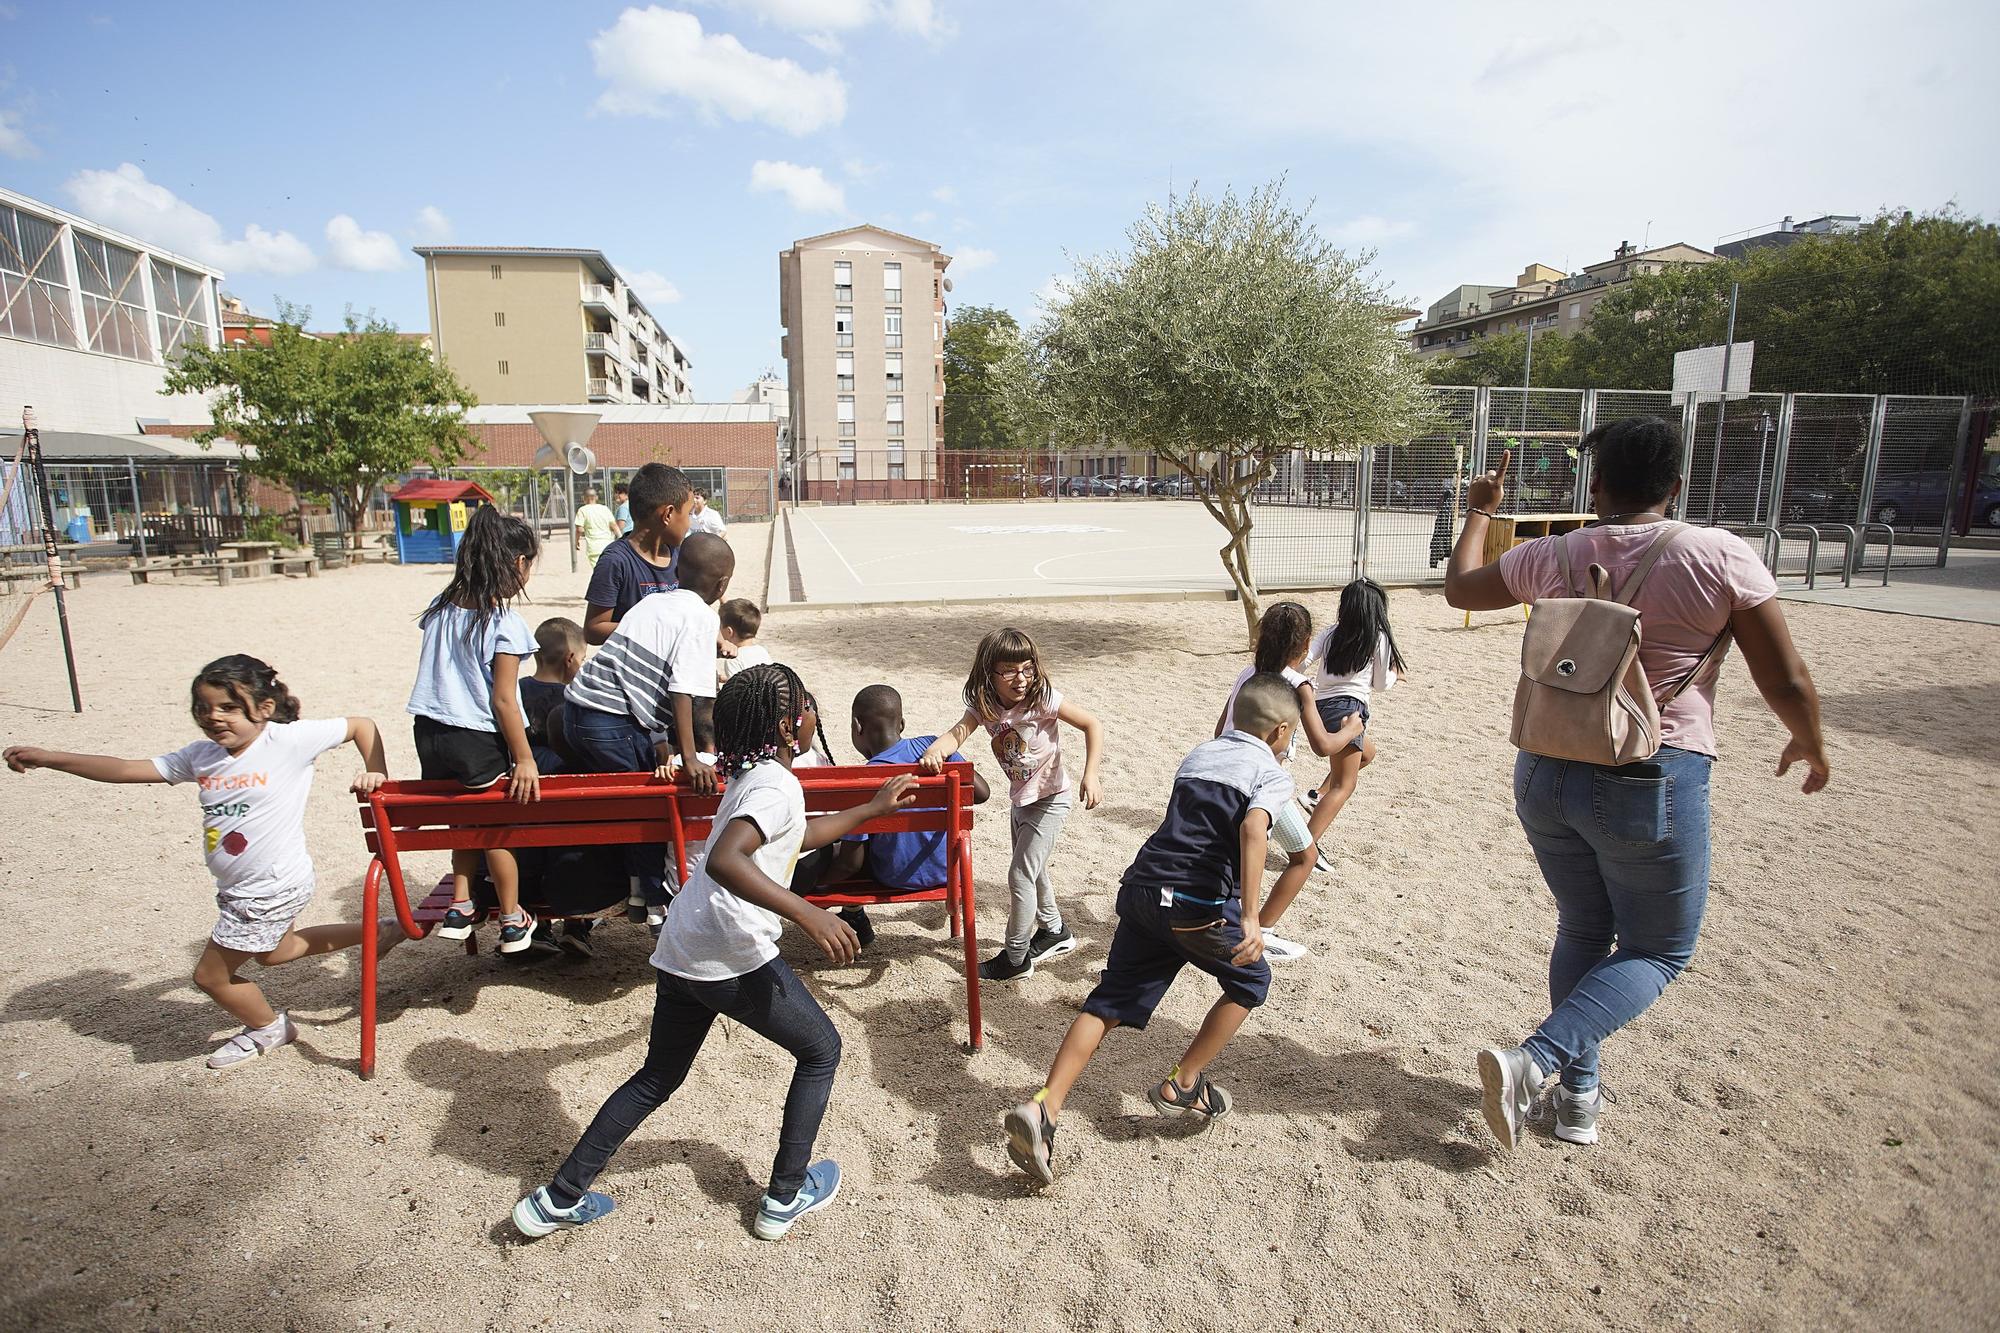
<point>1002,469</point>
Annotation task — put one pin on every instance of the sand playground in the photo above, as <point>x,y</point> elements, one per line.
<point>1806,1132</point>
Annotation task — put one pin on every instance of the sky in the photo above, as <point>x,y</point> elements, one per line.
<point>304,149</point>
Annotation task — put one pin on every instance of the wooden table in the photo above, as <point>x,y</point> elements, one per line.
<point>250,551</point>
<point>1506,531</point>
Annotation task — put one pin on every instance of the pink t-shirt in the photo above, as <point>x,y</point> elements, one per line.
<point>1029,751</point>
<point>1701,578</point>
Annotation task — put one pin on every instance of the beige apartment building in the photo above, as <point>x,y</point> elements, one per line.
<point>532,324</point>
<point>1542,297</point>
<point>863,311</point>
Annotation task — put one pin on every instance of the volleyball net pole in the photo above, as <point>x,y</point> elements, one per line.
<point>31,441</point>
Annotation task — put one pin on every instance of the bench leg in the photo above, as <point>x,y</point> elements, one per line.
<point>222,576</point>
<point>371,895</point>
<point>963,922</point>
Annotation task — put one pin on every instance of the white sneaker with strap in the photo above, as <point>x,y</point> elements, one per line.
<point>253,1042</point>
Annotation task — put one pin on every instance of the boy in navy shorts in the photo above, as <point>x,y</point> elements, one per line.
<point>1189,896</point>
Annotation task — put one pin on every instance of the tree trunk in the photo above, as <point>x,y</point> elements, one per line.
<point>1231,508</point>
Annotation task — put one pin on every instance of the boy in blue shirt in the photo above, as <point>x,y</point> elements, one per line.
<point>893,860</point>
<point>646,559</point>
<point>1189,896</point>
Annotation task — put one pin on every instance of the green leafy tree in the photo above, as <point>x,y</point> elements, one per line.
<point>340,414</point>
<point>1228,335</point>
<point>976,342</point>
<point>1501,360</point>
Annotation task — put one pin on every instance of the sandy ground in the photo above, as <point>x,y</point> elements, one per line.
<point>1807,1130</point>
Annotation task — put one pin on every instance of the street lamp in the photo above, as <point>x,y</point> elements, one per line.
<point>568,435</point>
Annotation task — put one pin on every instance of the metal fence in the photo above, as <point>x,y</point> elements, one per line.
<point>544,495</point>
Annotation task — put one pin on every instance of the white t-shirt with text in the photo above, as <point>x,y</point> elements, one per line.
<point>253,805</point>
<point>711,934</point>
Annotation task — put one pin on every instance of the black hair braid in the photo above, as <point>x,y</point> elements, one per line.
<point>250,681</point>
<point>749,708</point>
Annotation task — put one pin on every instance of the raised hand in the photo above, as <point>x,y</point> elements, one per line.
<point>1487,489</point>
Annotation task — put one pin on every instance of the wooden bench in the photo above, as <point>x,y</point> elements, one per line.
<point>37,576</point>
<point>144,571</point>
<point>609,809</point>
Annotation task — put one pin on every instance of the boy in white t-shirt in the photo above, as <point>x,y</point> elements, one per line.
<point>718,956</point>
<point>740,622</point>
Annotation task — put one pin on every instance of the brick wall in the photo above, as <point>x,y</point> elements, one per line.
<point>725,444</point>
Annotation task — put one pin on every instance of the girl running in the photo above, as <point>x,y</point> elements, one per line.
<point>252,774</point>
<point>1010,694</point>
<point>1357,656</point>
<point>1284,643</point>
<point>718,955</point>
<point>470,728</point>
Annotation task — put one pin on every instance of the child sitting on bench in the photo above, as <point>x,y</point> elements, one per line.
<point>893,860</point>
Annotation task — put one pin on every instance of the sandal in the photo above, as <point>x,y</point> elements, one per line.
<point>1204,1099</point>
<point>1031,1140</point>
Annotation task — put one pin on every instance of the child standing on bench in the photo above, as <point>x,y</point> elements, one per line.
<point>1189,896</point>
<point>252,774</point>
<point>470,728</point>
<point>1010,694</point>
<point>719,956</point>
<point>633,707</point>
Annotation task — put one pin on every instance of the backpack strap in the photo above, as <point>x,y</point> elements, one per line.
<point>1562,559</point>
<point>1713,654</point>
<point>1646,562</point>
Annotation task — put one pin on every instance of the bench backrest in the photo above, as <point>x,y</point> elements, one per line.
<point>587,809</point>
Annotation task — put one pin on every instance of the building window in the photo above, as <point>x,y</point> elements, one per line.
<point>181,299</point>
<point>843,273</point>
<point>894,415</point>
<point>892,283</point>
<point>895,470</point>
<point>843,372</point>
<point>1576,309</point>
<point>843,412</point>
<point>846,429</point>
<point>34,291</point>
<point>892,368</point>
<point>496,271</point>
<point>847,469</point>
<point>843,327</point>
<point>114,299</point>
<point>892,328</point>
<point>503,367</point>
<point>499,319</point>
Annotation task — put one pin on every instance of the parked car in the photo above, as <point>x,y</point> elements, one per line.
<point>1736,500</point>
<point>1918,497</point>
<point>1091,486</point>
<point>1132,483</point>
<point>1176,485</point>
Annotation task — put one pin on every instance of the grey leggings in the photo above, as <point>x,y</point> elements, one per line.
<point>1034,898</point>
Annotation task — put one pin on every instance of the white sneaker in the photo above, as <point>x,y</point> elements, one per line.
<point>1278,949</point>
<point>1322,863</point>
<point>1576,1114</point>
<point>253,1042</point>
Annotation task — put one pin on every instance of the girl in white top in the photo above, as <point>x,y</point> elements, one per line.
<point>1357,656</point>
<point>1008,691</point>
<point>252,774</point>
<point>718,956</point>
<point>1284,643</point>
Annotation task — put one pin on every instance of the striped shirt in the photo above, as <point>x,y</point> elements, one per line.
<point>665,642</point>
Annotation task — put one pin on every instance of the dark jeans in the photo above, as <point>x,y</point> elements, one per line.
<point>614,743</point>
<point>1625,853</point>
<point>773,1003</point>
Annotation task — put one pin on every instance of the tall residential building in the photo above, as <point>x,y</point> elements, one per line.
<point>1542,297</point>
<point>863,310</point>
<point>90,318</point>
<point>534,324</point>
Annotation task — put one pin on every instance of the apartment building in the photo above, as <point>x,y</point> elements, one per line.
<point>90,318</point>
<point>863,311</point>
<point>1787,233</point>
<point>1542,297</point>
<point>534,324</point>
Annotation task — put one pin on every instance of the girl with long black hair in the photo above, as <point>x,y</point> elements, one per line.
<point>1357,656</point>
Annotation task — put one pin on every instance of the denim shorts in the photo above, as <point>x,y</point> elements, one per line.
<point>1333,712</point>
<point>1153,943</point>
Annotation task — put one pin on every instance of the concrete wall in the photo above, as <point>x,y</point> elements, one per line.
<point>542,341</point>
<point>87,391</point>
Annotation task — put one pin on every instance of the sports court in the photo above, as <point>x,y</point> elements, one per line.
<point>845,555</point>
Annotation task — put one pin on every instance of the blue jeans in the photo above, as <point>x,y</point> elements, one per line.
<point>1626,856</point>
<point>773,1003</point>
<point>614,743</point>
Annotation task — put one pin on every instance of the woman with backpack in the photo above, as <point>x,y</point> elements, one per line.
<point>1615,720</point>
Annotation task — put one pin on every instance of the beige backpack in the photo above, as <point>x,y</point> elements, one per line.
<point>1583,694</point>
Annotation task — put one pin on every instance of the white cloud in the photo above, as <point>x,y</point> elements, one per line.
<point>807,187</point>
<point>820,20</point>
<point>433,227</point>
<point>651,57</point>
<point>944,194</point>
<point>924,217</point>
<point>653,287</point>
<point>125,199</point>
<point>348,245</point>
<point>860,169</point>
<point>14,141</point>
<point>920,17</point>
<point>1052,293</point>
<point>970,259</point>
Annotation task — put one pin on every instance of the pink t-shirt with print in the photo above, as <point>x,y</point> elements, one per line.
<point>1029,751</point>
<point>1701,578</point>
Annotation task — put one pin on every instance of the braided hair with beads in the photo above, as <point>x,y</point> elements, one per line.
<point>749,708</point>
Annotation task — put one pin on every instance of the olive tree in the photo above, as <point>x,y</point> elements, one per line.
<point>1227,335</point>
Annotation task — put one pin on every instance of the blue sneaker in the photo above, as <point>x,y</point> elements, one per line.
<point>537,1216</point>
<point>774,1219</point>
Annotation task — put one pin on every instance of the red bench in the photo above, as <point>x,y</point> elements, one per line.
<point>613,808</point>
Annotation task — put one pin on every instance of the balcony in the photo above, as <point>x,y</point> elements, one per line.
<point>597,294</point>
<point>604,344</point>
<point>600,391</point>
